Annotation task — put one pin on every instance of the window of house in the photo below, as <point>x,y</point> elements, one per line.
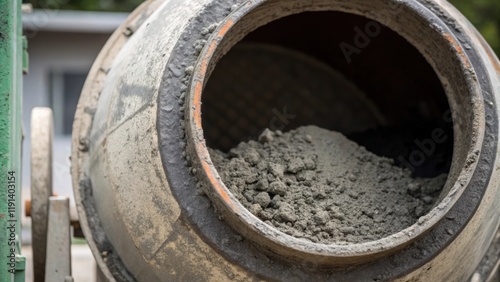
<point>66,87</point>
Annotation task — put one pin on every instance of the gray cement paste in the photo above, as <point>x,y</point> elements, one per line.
<point>318,185</point>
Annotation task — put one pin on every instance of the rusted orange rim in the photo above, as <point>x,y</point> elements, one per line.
<point>228,33</point>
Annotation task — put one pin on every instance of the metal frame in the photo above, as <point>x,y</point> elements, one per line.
<point>12,56</point>
<point>59,243</point>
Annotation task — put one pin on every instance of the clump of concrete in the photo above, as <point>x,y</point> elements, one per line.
<point>317,185</point>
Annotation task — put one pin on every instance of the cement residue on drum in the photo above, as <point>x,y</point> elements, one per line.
<point>317,185</point>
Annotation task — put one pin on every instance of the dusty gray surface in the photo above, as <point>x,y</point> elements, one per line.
<point>316,184</point>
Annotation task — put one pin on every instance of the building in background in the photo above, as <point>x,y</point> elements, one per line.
<point>62,46</point>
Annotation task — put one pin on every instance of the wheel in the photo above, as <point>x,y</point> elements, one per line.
<point>41,185</point>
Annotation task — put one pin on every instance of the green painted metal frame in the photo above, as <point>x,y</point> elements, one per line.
<point>12,52</point>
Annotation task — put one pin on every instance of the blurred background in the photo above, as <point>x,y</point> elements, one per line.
<point>65,36</point>
<point>485,15</point>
